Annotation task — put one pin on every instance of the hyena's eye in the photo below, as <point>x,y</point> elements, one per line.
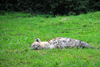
<point>33,46</point>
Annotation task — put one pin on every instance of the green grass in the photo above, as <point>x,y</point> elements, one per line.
<point>19,30</point>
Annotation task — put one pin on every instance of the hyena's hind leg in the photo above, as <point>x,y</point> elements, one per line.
<point>84,45</point>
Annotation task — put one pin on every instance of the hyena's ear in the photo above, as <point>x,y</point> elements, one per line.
<point>37,40</point>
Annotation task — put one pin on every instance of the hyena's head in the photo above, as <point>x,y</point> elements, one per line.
<point>36,45</point>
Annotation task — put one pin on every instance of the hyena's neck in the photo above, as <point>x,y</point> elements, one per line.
<point>46,45</point>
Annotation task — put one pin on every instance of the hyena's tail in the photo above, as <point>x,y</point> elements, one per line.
<point>94,47</point>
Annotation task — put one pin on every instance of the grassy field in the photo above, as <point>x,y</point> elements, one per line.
<point>19,30</point>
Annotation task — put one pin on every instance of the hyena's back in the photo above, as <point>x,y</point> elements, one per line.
<point>63,42</point>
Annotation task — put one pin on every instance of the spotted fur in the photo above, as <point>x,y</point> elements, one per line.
<point>60,42</point>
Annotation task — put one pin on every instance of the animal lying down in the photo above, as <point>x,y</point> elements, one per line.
<point>60,42</point>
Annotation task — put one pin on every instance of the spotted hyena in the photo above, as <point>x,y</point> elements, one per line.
<point>60,42</point>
